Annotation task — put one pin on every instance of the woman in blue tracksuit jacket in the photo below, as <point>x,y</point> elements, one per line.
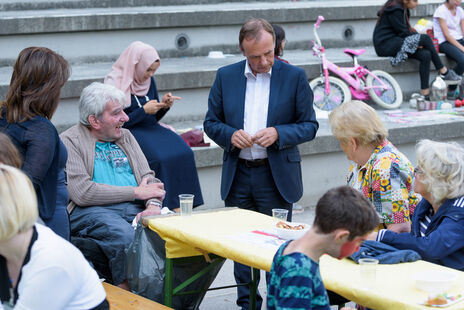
<point>437,231</point>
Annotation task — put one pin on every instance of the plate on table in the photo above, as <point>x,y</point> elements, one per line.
<point>289,231</point>
<point>442,300</point>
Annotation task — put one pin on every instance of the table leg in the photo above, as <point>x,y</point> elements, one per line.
<point>253,287</point>
<point>168,283</point>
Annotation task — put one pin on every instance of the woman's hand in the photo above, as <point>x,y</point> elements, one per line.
<point>168,99</point>
<point>153,106</point>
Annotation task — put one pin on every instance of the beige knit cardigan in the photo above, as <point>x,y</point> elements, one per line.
<point>83,192</point>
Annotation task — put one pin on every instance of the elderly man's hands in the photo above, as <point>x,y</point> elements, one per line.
<point>264,137</point>
<point>151,209</point>
<point>146,191</point>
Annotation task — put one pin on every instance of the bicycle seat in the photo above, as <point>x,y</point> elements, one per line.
<point>354,52</point>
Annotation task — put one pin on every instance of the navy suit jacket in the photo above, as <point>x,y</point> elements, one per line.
<point>290,112</point>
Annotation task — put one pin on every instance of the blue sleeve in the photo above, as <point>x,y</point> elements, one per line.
<point>305,126</point>
<point>135,117</point>
<point>215,123</point>
<point>445,240</point>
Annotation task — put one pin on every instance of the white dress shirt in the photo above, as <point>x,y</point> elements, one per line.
<point>256,107</point>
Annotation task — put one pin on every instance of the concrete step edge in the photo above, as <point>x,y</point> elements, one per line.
<point>102,19</point>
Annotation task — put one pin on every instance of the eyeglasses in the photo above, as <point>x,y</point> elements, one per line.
<point>418,170</point>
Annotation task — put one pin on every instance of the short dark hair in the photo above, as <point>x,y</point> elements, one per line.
<point>252,30</point>
<point>38,75</point>
<point>9,154</point>
<point>279,37</point>
<point>345,208</point>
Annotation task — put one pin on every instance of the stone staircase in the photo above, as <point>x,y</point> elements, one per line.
<point>91,35</point>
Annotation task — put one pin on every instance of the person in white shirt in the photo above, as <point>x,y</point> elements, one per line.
<point>259,110</point>
<point>448,28</point>
<point>39,269</point>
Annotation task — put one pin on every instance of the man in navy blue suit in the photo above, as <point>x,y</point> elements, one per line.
<point>259,110</point>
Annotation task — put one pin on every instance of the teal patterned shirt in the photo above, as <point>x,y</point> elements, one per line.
<point>295,283</point>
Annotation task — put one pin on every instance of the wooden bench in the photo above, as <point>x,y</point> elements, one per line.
<point>120,299</point>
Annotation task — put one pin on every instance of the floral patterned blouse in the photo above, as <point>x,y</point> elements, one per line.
<point>386,180</point>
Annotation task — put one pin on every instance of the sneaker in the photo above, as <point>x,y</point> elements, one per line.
<point>451,78</point>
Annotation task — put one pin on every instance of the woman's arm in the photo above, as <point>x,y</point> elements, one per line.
<point>442,242</point>
<point>449,38</point>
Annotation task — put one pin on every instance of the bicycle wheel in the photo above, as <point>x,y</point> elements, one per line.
<point>339,93</point>
<point>389,98</point>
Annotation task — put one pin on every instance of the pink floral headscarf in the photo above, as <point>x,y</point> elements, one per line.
<point>128,71</point>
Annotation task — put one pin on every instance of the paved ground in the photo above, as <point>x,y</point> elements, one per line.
<point>225,299</point>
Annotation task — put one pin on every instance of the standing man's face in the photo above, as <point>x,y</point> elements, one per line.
<point>260,52</point>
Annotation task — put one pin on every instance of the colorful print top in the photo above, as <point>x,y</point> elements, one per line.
<point>386,180</point>
<point>295,283</point>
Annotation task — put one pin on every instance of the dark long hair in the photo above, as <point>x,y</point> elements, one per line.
<point>390,3</point>
<point>280,36</point>
<point>38,75</point>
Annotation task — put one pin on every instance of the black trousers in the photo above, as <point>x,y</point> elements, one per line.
<point>426,54</point>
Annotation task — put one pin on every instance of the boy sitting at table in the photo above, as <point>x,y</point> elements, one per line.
<point>343,220</point>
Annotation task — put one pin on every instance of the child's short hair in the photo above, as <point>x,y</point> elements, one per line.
<point>345,208</point>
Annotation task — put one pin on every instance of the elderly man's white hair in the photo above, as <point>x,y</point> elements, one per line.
<point>442,165</point>
<point>94,99</point>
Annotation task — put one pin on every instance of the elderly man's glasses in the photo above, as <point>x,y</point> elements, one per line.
<point>418,170</point>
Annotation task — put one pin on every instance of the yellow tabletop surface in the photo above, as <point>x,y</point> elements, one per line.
<point>394,288</point>
<point>216,232</point>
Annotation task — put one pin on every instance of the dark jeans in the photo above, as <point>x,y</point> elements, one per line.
<point>455,54</point>
<point>110,227</point>
<point>426,54</point>
<point>253,189</point>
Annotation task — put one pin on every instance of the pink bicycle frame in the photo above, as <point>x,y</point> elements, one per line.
<point>348,74</point>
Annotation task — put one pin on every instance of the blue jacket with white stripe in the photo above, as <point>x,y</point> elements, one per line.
<point>443,242</point>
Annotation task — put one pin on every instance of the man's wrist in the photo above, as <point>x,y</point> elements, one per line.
<point>153,203</point>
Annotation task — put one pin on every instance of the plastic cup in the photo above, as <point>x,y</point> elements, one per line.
<point>367,272</point>
<point>186,204</point>
<point>280,214</point>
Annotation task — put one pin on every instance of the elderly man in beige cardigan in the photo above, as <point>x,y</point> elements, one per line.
<point>109,180</point>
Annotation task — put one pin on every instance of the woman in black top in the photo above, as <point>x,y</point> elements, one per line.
<point>32,99</point>
<point>394,37</point>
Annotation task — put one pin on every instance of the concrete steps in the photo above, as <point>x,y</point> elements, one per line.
<point>192,77</point>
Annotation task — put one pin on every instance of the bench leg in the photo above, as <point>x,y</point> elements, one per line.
<point>253,287</point>
<point>168,283</point>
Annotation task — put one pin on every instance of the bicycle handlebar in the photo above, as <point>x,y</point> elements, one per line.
<point>320,19</point>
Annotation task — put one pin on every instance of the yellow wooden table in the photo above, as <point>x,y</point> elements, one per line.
<point>225,232</point>
<point>394,288</point>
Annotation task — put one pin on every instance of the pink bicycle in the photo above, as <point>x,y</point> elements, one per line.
<point>330,92</point>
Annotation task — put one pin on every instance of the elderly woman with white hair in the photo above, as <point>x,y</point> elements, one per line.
<point>438,222</point>
<point>380,171</point>
<point>39,269</point>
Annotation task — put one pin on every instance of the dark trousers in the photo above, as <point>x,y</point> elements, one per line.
<point>253,189</point>
<point>426,54</point>
<point>110,227</point>
<point>455,54</point>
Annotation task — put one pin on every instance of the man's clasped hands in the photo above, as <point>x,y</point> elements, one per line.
<point>264,137</point>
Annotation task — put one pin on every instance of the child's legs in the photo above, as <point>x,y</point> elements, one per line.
<point>424,58</point>
<point>454,53</point>
<point>427,44</point>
